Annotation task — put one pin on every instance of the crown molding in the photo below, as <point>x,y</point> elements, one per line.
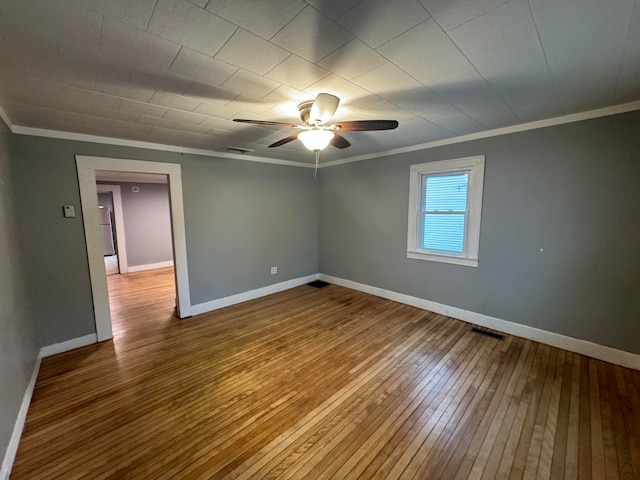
<point>6,120</point>
<point>82,137</point>
<point>549,122</point>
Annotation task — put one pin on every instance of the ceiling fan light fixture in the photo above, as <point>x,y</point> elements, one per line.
<point>316,140</point>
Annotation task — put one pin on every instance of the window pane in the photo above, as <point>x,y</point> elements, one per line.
<point>443,232</point>
<point>445,192</point>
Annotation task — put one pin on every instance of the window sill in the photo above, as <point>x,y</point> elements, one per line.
<point>468,262</point>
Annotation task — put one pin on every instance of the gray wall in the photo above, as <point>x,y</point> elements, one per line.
<point>147,222</point>
<point>573,190</point>
<point>18,349</point>
<point>240,217</point>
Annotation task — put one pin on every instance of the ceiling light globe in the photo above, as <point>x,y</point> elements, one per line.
<point>316,140</point>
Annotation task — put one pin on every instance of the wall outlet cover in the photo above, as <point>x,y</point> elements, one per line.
<point>68,211</point>
<point>274,270</point>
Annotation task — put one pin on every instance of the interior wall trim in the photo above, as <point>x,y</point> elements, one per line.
<point>549,122</point>
<point>251,294</point>
<point>150,266</point>
<point>583,347</point>
<point>7,121</point>
<point>522,127</point>
<point>82,137</point>
<point>68,345</point>
<point>14,441</point>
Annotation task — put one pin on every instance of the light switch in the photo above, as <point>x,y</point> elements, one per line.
<point>69,211</point>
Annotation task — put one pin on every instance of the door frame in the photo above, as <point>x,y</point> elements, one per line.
<point>87,166</point>
<point>121,248</point>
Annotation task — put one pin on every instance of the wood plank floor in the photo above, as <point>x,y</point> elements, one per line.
<point>322,383</point>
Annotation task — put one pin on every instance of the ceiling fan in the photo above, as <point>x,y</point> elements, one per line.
<point>316,132</point>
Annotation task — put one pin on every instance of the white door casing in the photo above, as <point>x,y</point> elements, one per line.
<point>87,166</point>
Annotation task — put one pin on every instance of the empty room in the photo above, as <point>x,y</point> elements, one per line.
<point>320,239</point>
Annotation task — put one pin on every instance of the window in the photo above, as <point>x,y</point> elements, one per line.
<point>445,202</point>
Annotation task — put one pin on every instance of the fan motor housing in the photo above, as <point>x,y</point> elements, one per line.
<point>305,110</point>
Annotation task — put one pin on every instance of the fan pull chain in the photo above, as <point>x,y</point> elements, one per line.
<point>317,158</point>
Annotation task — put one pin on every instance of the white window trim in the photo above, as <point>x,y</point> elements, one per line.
<point>475,167</point>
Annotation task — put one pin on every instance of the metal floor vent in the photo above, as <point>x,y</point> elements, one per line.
<point>487,333</point>
<point>318,284</point>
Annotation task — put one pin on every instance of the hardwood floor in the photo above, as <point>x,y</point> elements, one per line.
<point>322,383</point>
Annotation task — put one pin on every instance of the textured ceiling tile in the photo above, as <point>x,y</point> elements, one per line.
<point>184,117</point>
<point>91,98</point>
<point>250,84</point>
<point>451,14</point>
<point>218,111</point>
<point>523,84</point>
<point>158,79</point>
<point>156,122</point>
<point>500,38</point>
<point>124,89</point>
<point>333,9</point>
<point>285,94</point>
<point>311,35</point>
<point>137,46</point>
<point>377,21</point>
<point>219,123</point>
<point>344,89</point>
<point>60,23</point>
<point>352,59</point>
<point>199,3</point>
<point>571,33</point>
<point>297,72</point>
<point>210,93</point>
<point>174,101</point>
<point>141,108</point>
<point>186,24</point>
<point>459,124</point>
<point>249,104</point>
<point>386,80</point>
<point>31,86</point>
<point>136,13</point>
<point>264,18</point>
<point>423,42</point>
<point>251,52</point>
<point>190,127</point>
<point>193,64</point>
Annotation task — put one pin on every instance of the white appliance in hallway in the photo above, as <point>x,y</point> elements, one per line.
<point>106,225</point>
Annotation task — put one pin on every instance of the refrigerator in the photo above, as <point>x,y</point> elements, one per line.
<point>106,226</point>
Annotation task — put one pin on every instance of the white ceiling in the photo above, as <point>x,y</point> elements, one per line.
<point>176,72</point>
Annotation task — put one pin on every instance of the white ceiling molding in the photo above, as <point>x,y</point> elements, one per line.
<point>576,117</point>
<point>81,137</point>
<point>5,118</point>
<point>550,122</point>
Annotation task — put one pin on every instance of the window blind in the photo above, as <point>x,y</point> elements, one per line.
<point>444,211</point>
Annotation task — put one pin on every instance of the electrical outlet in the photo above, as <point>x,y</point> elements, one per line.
<point>274,270</point>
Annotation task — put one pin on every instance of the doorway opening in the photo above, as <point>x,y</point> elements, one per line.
<point>87,169</point>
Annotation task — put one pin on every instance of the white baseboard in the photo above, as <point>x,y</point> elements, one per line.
<point>583,347</point>
<point>12,448</point>
<point>149,266</point>
<point>251,294</point>
<point>68,345</point>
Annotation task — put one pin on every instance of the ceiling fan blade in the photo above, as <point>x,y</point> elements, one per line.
<point>290,138</point>
<point>262,122</point>
<point>323,108</point>
<point>339,141</point>
<point>365,125</point>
